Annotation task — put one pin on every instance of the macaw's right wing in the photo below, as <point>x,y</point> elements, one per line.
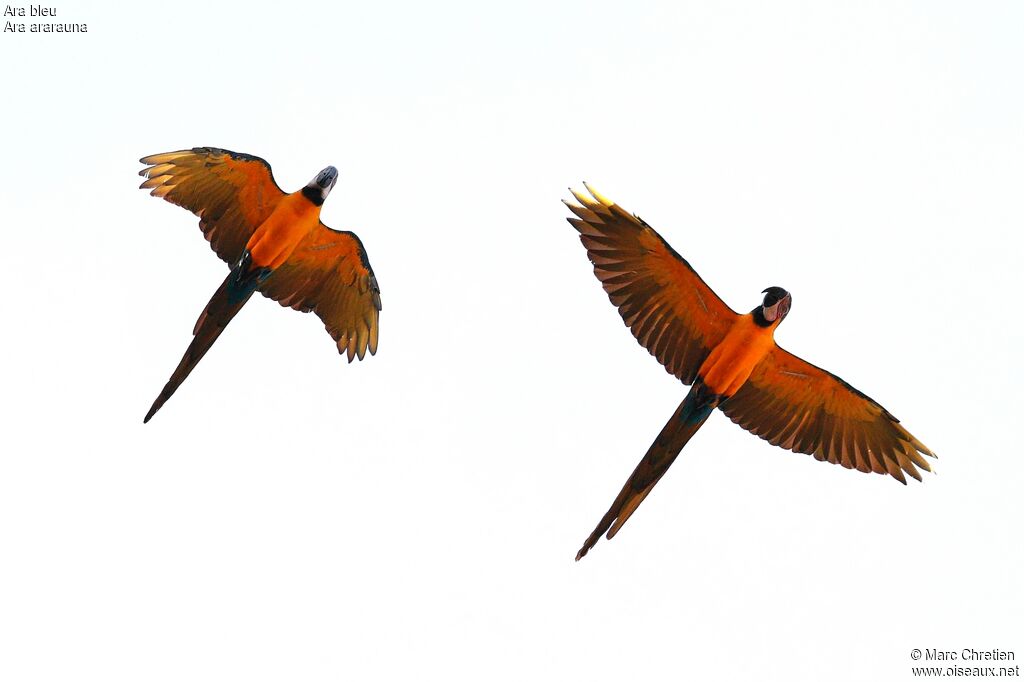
<point>800,407</point>
<point>667,306</point>
<point>231,193</point>
<point>330,275</point>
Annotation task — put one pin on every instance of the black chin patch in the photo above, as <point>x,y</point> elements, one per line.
<point>759,319</point>
<point>314,195</point>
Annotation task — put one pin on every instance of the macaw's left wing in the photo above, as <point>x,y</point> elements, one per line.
<point>791,403</point>
<point>663,301</point>
<point>330,275</point>
<point>231,193</point>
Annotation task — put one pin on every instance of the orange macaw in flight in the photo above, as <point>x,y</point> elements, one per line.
<point>732,362</point>
<point>274,243</point>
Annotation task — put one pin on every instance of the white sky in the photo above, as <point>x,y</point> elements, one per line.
<point>415,516</point>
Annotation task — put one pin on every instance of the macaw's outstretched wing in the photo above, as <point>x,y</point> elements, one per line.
<point>231,193</point>
<point>330,275</point>
<point>791,403</point>
<point>663,301</point>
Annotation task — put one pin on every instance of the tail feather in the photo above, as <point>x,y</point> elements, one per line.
<point>229,298</point>
<point>687,419</point>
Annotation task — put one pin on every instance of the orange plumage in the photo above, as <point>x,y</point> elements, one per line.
<point>732,361</point>
<point>274,243</point>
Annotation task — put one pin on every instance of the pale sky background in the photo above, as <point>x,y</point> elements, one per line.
<point>415,516</point>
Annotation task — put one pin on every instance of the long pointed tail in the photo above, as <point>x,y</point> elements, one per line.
<point>229,298</point>
<point>688,417</point>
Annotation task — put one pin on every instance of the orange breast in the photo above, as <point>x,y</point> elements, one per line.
<point>273,241</point>
<point>730,363</point>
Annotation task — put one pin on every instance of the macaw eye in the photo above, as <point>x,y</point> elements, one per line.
<point>784,306</point>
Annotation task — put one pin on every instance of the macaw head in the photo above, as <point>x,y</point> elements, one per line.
<point>320,186</point>
<point>776,304</point>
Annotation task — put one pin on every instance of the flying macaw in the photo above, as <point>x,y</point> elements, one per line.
<point>274,243</point>
<point>732,362</point>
